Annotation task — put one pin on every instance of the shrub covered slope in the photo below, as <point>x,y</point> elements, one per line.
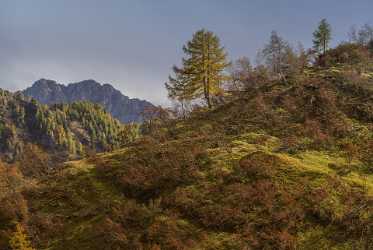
<point>284,165</point>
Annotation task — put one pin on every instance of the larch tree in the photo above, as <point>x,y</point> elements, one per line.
<point>322,37</point>
<point>202,70</point>
<point>19,240</point>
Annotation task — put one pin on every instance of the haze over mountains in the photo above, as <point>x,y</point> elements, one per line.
<point>120,106</point>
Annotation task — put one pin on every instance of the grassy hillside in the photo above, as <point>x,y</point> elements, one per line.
<point>179,196</point>
<point>283,166</point>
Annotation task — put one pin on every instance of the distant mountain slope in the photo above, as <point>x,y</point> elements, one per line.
<point>120,106</point>
<point>68,129</point>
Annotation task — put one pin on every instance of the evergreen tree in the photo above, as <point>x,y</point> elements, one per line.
<point>322,37</point>
<point>177,88</point>
<point>202,69</point>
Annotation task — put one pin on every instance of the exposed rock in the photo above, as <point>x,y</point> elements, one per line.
<point>120,106</point>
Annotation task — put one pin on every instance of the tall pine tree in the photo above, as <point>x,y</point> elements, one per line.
<point>202,69</point>
<point>322,37</point>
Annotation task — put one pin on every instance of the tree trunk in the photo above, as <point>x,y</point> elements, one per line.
<point>208,75</point>
<point>208,100</point>
<point>206,91</point>
<point>368,242</point>
<point>205,74</point>
<point>183,110</point>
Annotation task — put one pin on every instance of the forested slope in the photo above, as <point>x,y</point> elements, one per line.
<point>70,130</point>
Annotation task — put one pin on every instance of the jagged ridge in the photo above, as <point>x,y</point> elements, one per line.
<point>120,106</point>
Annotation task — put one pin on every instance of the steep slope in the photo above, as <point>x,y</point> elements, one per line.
<point>284,166</point>
<point>120,106</point>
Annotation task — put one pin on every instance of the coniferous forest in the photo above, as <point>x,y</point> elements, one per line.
<point>271,154</point>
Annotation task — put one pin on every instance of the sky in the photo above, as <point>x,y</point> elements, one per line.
<point>132,44</point>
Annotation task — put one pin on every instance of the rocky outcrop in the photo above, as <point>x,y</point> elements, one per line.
<point>120,106</point>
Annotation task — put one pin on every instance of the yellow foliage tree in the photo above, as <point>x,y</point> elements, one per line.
<point>19,241</point>
<point>202,72</point>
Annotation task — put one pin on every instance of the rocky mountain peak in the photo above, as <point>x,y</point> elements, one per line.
<point>120,106</point>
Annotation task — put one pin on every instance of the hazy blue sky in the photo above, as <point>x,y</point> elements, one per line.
<point>133,44</point>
